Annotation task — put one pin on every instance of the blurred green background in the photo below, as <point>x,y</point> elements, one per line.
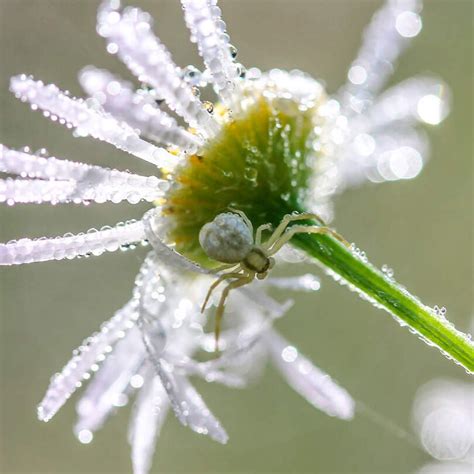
<point>421,228</point>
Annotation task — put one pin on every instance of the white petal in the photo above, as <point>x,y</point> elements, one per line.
<point>139,110</point>
<point>80,182</point>
<point>15,191</point>
<point>153,306</point>
<point>241,361</point>
<point>384,40</point>
<point>148,417</point>
<point>208,372</point>
<point>268,305</point>
<point>307,282</point>
<point>188,405</point>
<point>129,34</point>
<point>309,381</point>
<point>91,352</point>
<point>407,101</point>
<point>166,254</point>
<point>110,386</point>
<point>88,118</point>
<point>209,32</point>
<point>400,153</point>
<point>94,242</point>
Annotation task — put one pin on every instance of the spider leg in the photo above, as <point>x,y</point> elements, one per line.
<point>258,233</point>
<point>244,217</point>
<point>286,221</point>
<point>215,284</point>
<point>304,229</point>
<point>226,266</point>
<point>244,280</point>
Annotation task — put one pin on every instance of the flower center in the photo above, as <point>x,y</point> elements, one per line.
<point>261,162</point>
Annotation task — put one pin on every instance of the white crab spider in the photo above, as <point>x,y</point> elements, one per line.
<point>229,239</point>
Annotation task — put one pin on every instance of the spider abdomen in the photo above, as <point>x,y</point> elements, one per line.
<point>226,239</point>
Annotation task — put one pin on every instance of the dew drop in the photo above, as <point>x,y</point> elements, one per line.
<point>387,271</point>
<point>233,51</point>
<point>251,174</point>
<point>209,106</point>
<point>85,436</point>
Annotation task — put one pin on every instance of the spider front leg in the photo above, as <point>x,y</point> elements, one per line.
<point>304,229</point>
<point>244,217</point>
<point>226,266</point>
<point>216,283</point>
<point>258,233</point>
<point>286,221</point>
<point>244,280</point>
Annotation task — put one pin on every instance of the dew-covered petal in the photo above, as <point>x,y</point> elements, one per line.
<point>86,357</point>
<point>191,367</point>
<point>109,388</point>
<point>22,191</point>
<point>75,182</point>
<point>310,382</point>
<point>137,108</point>
<point>391,30</point>
<point>307,282</point>
<point>149,414</point>
<point>153,333</point>
<point>400,153</point>
<point>90,189</point>
<point>88,119</point>
<point>165,254</point>
<point>129,35</point>
<point>188,405</point>
<point>268,305</point>
<point>208,30</point>
<point>94,242</point>
<point>154,336</point>
<point>240,362</point>
<point>424,99</point>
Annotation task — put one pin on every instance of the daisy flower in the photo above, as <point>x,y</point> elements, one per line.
<point>270,148</point>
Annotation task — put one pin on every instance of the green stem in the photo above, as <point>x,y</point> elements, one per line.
<point>387,294</point>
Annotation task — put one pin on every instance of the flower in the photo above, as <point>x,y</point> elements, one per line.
<point>272,143</point>
<point>442,417</point>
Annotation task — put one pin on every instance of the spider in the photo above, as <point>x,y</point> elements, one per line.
<point>229,239</point>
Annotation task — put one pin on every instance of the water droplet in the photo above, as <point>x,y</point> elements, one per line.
<point>85,436</point>
<point>251,174</point>
<point>209,106</point>
<point>241,71</point>
<point>387,271</point>
<point>233,51</point>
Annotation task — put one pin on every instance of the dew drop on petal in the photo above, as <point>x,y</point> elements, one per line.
<point>289,354</point>
<point>431,109</point>
<point>357,75</point>
<point>408,24</point>
<point>112,48</point>
<point>405,163</point>
<point>85,436</point>
<point>136,381</point>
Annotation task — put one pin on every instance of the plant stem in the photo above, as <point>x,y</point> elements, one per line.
<point>387,294</point>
